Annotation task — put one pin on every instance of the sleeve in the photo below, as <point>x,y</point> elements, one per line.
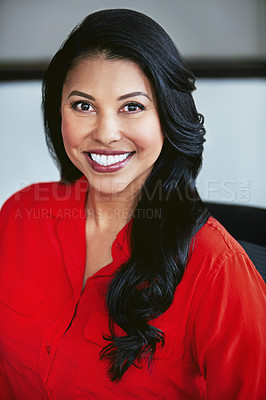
<point>5,388</point>
<point>9,210</point>
<point>230,331</point>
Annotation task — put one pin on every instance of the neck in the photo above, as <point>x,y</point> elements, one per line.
<point>114,209</point>
<point>110,209</point>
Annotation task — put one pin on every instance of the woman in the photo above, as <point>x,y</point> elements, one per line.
<point>115,282</point>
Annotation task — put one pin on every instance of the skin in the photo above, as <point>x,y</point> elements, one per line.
<point>109,122</point>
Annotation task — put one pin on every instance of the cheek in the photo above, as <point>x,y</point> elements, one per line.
<point>69,133</point>
<point>149,137</point>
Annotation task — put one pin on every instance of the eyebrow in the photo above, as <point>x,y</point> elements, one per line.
<point>82,94</point>
<point>125,96</point>
<point>133,94</point>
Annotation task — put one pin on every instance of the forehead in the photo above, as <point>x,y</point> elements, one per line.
<point>101,74</point>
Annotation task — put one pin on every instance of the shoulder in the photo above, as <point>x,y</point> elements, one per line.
<point>34,194</point>
<point>47,199</point>
<point>213,241</point>
<point>215,253</point>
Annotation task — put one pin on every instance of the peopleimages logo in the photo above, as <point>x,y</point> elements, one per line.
<point>225,190</point>
<point>222,190</point>
<point>42,192</point>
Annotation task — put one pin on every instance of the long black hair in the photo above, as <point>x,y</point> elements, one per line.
<point>143,287</point>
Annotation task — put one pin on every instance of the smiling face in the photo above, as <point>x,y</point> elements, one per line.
<point>110,125</point>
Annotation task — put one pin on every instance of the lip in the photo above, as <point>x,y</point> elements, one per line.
<point>108,152</point>
<point>108,168</point>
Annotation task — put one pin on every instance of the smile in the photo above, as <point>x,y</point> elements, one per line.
<point>107,160</point>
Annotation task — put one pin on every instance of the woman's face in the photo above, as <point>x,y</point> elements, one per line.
<point>110,125</point>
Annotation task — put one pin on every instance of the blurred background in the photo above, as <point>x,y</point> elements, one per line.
<point>222,41</point>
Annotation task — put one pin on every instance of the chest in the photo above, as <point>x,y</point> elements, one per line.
<point>50,333</point>
<point>98,252</point>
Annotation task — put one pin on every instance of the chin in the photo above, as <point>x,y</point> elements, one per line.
<point>110,188</point>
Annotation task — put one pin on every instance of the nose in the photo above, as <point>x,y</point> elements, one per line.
<point>107,129</point>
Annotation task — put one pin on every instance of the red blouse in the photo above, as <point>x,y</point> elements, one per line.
<point>51,332</point>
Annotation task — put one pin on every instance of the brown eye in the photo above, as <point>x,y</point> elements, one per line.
<point>132,108</point>
<point>82,105</point>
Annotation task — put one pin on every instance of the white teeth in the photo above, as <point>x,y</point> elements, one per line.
<point>108,160</point>
<point>111,160</point>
